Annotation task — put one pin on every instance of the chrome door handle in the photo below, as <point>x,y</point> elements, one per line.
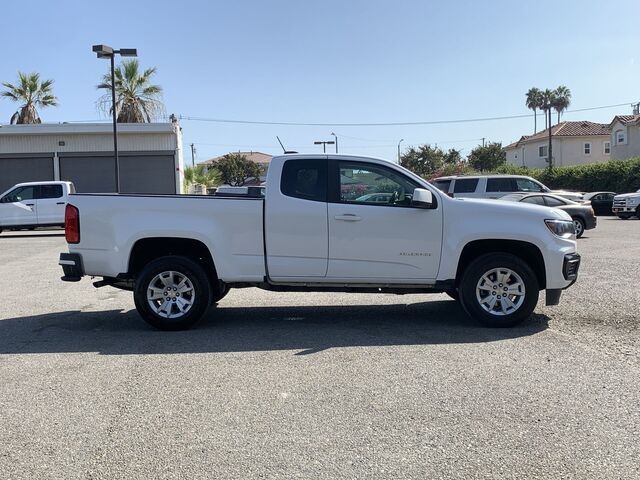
<point>348,217</point>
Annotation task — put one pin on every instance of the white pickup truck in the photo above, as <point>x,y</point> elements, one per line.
<point>34,204</point>
<point>317,229</point>
<point>626,205</point>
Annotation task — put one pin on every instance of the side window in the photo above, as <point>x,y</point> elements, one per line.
<point>442,185</point>
<point>20,194</point>
<point>305,179</point>
<point>608,196</point>
<point>465,185</point>
<point>374,185</point>
<point>50,191</point>
<point>500,184</point>
<point>535,199</point>
<point>553,202</point>
<point>526,185</point>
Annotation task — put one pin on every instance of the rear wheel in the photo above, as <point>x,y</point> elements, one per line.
<point>499,290</point>
<point>172,293</point>
<point>219,294</point>
<point>624,217</point>
<point>579,224</point>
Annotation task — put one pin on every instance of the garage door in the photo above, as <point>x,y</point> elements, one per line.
<point>147,174</point>
<point>89,174</point>
<point>24,169</point>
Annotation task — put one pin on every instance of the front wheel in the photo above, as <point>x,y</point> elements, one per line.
<point>499,290</point>
<point>172,293</point>
<point>624,217</point>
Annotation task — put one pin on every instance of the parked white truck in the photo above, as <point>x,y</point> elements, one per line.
<point>316,230</point>
<point>34,204</point>
<point>626,205</point>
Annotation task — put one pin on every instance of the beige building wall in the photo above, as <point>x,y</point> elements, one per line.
<point>566,151</point>
<point>631,147</point>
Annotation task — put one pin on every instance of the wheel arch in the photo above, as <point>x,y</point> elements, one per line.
<point>526,251</point>
<point>148,249</point>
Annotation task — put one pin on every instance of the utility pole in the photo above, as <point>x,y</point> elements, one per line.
<point>549,149</point>
<point>483,142</point>
<point>401,140</point>
<point>193,155</point>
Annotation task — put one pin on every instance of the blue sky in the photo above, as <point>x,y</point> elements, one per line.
<point>347,61</point>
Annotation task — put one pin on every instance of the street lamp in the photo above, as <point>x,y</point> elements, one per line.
<point>105,51</point>
<point>336,141</point>
<point>324,144</point>
<point>401,140</point>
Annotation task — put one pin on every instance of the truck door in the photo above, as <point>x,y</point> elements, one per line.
<point>18,207</point>
<point>296,236</point>
<point>50,202</point>
<point>376,242</point>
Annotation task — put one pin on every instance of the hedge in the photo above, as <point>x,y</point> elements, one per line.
<point>619,176</point>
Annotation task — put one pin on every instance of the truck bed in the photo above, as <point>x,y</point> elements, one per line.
<point>233,225</point>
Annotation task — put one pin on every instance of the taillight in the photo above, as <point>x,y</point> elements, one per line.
<point>71,224</point>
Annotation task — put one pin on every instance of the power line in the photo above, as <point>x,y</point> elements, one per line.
<point>385,124</point>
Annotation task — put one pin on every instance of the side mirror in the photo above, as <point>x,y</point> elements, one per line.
<point>422,198</point>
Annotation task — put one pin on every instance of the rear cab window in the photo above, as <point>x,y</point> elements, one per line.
<point>305,179</point>
<point>49,191</point>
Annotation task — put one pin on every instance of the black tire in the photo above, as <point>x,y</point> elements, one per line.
<point>219,294</point>
<point>200,289</point>
<point>624,217</point>
<point>453,294</point>
<point>482,265</point>
<point>638,212</point>
<point>580,226</point>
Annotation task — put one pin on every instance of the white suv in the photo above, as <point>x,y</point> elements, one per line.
<point>495,186</point>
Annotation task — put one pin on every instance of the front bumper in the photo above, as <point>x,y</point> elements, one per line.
<point>570,267</point>
<point>71,264</point>
<point>624,209</point>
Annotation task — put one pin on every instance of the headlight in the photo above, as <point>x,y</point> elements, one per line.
<point>562,228</point>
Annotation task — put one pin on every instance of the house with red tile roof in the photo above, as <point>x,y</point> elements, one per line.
<point>573,143</point>
<point>625,137</point>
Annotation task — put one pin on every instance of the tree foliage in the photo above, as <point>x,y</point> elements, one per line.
<point>424,160</point>
<point>200,175</point>
<point>31,93</point>
<point>137,99</point>
<point>487,157</point>
<point>235,169</point>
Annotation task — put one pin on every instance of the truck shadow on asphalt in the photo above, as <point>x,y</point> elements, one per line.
<point>303,329</point>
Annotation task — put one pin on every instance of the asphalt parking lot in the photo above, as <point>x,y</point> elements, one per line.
<point>279,385</point>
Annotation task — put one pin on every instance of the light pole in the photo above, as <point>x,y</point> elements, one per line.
<point>324,144</point>
<point>401,140</point>
<point>105,51</point>
<point>336,141</point>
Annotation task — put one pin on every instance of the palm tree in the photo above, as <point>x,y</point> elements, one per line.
<point>137,99</point>
<point>199,175</point>
<point>547,99</point>
<point>32,93</point>
<point>533,102</point>
<point>562,99</point>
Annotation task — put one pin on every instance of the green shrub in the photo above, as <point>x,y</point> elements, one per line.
<point>616,176</point>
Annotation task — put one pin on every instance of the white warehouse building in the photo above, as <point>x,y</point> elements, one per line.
<point>150,156</point>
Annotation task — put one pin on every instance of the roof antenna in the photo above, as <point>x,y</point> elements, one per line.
<point>284,149</point>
